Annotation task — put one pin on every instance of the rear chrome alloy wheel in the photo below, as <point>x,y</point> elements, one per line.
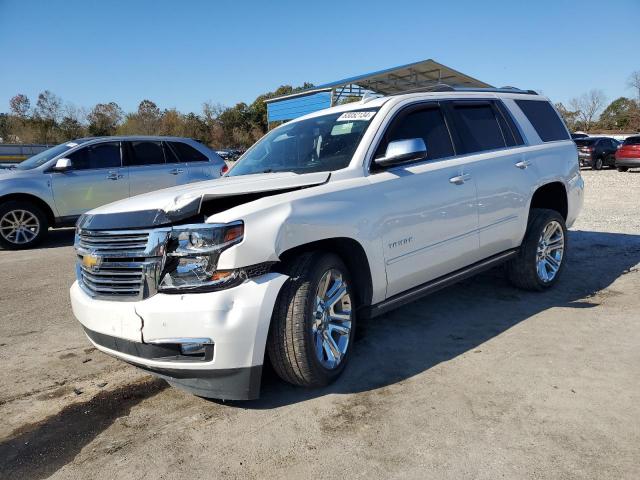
<point>550,251</point>
<point>331,326</point>
<point>19,227</point>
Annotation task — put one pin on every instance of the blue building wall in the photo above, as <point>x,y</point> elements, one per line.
<point>296,107</point>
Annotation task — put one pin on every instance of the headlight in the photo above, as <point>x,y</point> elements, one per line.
<point>192,257</point>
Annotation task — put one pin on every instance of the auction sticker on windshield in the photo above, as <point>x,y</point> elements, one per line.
<point>356,116</point>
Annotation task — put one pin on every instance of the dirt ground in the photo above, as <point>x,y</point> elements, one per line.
<point>478,381</point>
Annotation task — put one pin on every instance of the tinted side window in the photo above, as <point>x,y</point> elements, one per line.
<point>145,152</point>
<point>169,155</point>
<point>187,153</point>
<point>103,155</point>
<point>544,119</point>
<point>509,128</point>
<point>477,127</point>
<point>427,124</point>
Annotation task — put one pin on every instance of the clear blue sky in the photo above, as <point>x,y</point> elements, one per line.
<point>181,53</point>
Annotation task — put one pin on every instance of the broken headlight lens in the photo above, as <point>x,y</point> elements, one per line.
<point>192,257</point>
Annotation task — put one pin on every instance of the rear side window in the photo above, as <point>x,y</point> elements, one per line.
<point>544,119</point>
<point>477,127</point>
<point>187,153</point>
<point>511,133</point>
<point>103,155</point>
<point>145,152</point>
<point>425,123</point>
<point>632,141</point>
<point>169,154</point>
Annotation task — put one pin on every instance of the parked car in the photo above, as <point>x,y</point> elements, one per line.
<point>628,155</point>
<point>54,187</point>
<point>340,215</point>
<point>231,154</point>
<point>225,154</point>
<point>575,136</point>
<point>597,152</point>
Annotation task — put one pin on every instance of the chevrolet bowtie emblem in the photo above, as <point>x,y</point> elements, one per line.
<point>92,262</point>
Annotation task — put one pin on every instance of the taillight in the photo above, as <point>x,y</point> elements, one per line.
<point>224,169</point>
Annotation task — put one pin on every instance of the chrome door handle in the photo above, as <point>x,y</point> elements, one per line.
<point>523,164</point>
<point>114,176</point>
<point>176,171</point>
<point>460,179</point>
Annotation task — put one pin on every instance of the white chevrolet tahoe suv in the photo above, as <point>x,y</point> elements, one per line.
<point>334,217</point>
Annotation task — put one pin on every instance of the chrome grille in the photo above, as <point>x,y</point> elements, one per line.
<point>128,242</point>
<point>120,265</point>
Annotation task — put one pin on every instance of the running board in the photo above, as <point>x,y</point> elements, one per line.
<point>434,285</point>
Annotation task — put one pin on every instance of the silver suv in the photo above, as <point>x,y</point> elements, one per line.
<point>55,187</point>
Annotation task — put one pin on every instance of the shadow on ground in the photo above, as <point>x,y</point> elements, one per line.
<point>38,450</point>
<point>58,238</point>
<point>388,349</point>
<point>442,326</point>
<point>62,237</point>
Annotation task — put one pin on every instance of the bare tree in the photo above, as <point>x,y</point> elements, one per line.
<point>568,116</point>
<point>587,107</point>
<point>634,82</point>
<point>20,105</point>
<point>47,115</point>
<point>48,106</point>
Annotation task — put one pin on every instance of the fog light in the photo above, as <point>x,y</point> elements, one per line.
<point>192,348</point>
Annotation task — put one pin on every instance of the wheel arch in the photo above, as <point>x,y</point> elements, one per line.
<point>552,195</point>
<point>354,256</point>
<point>26,197</point>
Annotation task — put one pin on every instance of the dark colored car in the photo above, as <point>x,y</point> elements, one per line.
<point>597,152</point>
<point>575,136</point>
<point>628,155</point>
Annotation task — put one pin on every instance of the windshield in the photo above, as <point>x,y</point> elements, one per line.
<point>43,157</point>
<point>319,144</point>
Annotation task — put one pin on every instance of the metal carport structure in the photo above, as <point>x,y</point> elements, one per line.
<point>417,75</point>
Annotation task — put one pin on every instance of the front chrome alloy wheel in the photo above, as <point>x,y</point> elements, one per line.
<point>550,251</point>
<point>331,326</point>
<point>19,227</point>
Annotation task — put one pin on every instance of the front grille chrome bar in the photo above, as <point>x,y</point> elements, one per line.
<point>121,264</point>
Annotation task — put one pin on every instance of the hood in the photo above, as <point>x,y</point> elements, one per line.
<point>10,173</point>
<point>183,202</point>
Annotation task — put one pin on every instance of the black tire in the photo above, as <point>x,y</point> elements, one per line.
<point>290,344</point>
<point>623,169</point>
<point>522,270</point>
<point>20,205</point>
<point>597,164</point>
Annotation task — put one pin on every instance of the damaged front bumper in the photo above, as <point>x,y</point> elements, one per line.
<point>211,344</point>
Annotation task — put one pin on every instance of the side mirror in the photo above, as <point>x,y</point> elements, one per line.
<point>62,165</point>
<point>403,151</point>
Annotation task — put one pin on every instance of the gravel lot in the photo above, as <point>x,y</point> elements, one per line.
<point>478,381</point>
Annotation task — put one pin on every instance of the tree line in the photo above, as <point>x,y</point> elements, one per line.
<point>51,120</point>
<point>588,112</point>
